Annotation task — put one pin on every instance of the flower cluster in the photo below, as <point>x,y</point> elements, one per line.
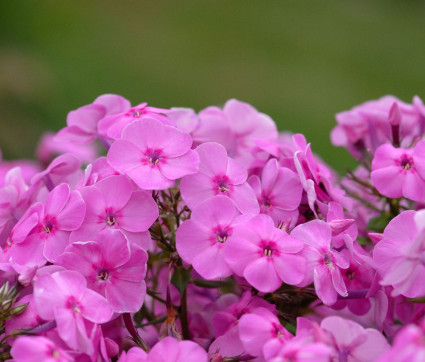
<point>150,234</point>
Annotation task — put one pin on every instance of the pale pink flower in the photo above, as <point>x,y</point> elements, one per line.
<point>36,349</point>
<point>398,172</point>
<point>265,255</point>
<point>323,263</point>
<point>112,204</point>
<point>400,255</point>
<point>352,342</point>
<point>278,192</point>
<point>218,175</point>
<point>153,154</point>
<point>111,268</point>
<point>64,296</point>
<point>200,241</point>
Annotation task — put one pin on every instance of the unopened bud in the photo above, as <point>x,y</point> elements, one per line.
<point>339,226</point>
<point>19,309</point>
<point>375,237</point>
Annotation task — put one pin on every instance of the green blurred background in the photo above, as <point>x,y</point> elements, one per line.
<point>298,61</point>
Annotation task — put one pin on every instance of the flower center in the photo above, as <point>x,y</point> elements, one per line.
<point>265,202</point>
<point>406,162</point>
<point>73,304</point>
<point>153,157</point>
<point>350,274</point>
<point>327,259</point>
<point>268,252</point>
<point>222,235</point>
<point>223,184</point>
<point>102,274</point>
<point>48,226</point>
<point>110,220</point>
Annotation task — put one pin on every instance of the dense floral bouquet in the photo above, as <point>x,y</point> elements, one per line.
<point>166,235</point>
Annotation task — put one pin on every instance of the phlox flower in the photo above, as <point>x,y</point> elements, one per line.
<point>111,268</point>
<point>112,204</point>
<point>261,331</point>
<point>43,231</point>
<point>398,172</point>
<point>111,127</point>
<point>218,175</point>
<point>36,349</point>
<point>153,154</point>
<point>168,350</point>
<point>278,192</point>
<point>400,256</point>
<point>408,345</point>
<point>82,123</point>
<point>236,127</point>
<point>64,297</point>
<point>226,324</point>
<point>201,240</point>
<point>352,342</point>
<point>323,263</point>
<point>265,255</point>
<point>185,118</point>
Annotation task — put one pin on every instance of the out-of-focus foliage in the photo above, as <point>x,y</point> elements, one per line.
<point>299,62</point>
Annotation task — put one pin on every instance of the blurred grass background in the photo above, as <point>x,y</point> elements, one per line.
<point>298,61</point>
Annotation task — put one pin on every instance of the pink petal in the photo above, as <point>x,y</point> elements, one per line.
<point>290,268</point>
<point>239,253</point>
<point>178,167</point>
<point>55,245</point>
<point>262,275</point>
<point>210,264</point>
<point>217,210</point>
<point>316,233</point>
<point>72,215</point>
<point>95,307</point>
<point>191,240</point>
<point>149,178</point>
<point>323,285</point>
<point>139,213</point>
<point>116,191</point>
<point>213,159</point>
<point>388,181</point>
<point>124,156</point>
<point>236,172</point>
<point>195,189</point>
<point>245,199</point>
<point>115,248</point>
<point>413,187</point>
<point>125,296</point>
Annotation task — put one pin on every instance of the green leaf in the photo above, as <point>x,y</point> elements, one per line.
<point>379,223</point>
<point>212,283</point>
<point>180,278</point>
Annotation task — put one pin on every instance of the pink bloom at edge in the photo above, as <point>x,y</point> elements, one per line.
<point>111,269</point>
<point>36,349</point>
<point>265,255</point>
<point>218,175</point>
<point>398,172</point>
<point>153,154</point>
<point>64,296</point>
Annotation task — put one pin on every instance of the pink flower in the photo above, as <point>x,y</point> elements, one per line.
<point>82,123</point>
<point>64,296</point>
<point>260,331</point>
<point>352,341</point>
<point>278,192</point>
<point>43,232</point>
<point>400,255</point>
<point>111,269</point>
<point>265,255</point>
<point>200,241</point>
<point>112,204</point>
<point>36,349</point>
<point>398,172</point>
<point>323,263</point>
<point>218,175</point>
<point>111,127</point>
<point>153,154</point>
<point>171,350</point>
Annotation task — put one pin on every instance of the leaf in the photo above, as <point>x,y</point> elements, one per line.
<point>212,283</point>
<point>379,223</point>
<point>180,278</point>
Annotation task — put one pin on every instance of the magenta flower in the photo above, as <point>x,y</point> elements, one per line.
<point>111,127</point>
<point>171,350</point>
<point>218,175</point>
<point>352,342</point>
<point>260,331</point>
<point>36,349</point>
<point>153,154</point>
<point>43,232</point>
<point>398,172</point>
<point>400,256</point>
<point>323,263</point>
<point>200,241</point>
<point>112,204</point>
<point>278,192</point>
<point>82,123</point>
<point>111,268</point>
<point>64,296</point>
<point>265,255</point>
